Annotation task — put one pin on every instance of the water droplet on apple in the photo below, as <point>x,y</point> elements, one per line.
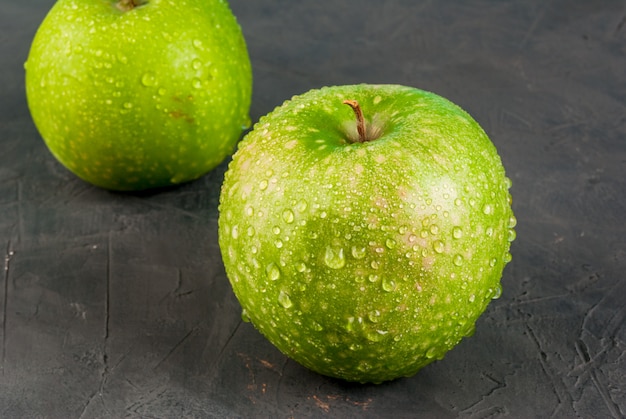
<point>302,206</point>
<point>334,258</point>
<point>263,185</point>
<point>390,243</point>
<point>376,335</point>
<point>489,231</point>
<point>512,235</point>
<point>279,244</point>
<point>457,232</point>
<point>316,326</point>
<point>251,231</point>
<point>488,209</point>
<point>430,354</point>
<point>434,229</point>
<point>276,230</point>
<point>273,272</point>
<point>458,260</point>
<point>197,44</point>
<point>373,278</point>
<point>472,298</point>
<point>148,79</point>
<point>128,105</point>
<point>497,292</point>
<point>245,316</point>
<point>196,83</point>
<point>508,257</point>
<point>458,202</point>
<point>301,267</point>
<point>196,64</point>
<point>512,221</point>
<point>358,252</point>
<point>439,246</point>
<point>374,316</point>
<point>389,285</point>
<point>235,232</point>
<point>493,262</point>
<point>284,300</point>
<point>288,216</point>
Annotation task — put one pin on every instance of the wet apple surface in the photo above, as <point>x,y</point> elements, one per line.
<point>366,244</point>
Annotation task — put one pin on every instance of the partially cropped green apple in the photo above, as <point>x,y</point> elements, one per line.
<point>365,228</point>
<point>136,94</point>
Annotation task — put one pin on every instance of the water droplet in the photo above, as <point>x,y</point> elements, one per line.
<point>251,231</point>
<point>434,229</point>
<point>508,257</point>
<point>488,209</point>
<point>279,244</point>
<point>263,185</point>
<point>284,300</point>
<point>458,202</point>
<point>497,292</point>
<point>512,235</point>
<point>390,243</point>
<point>316,326</point>
<point>196,83</point>
<point>457,232</point>
<point>489,231</point>
<point>373,278</point>
<point>249,211</point>
<point>376,336</point>
<point>389,285</point>
<point>148,79</point>
<point>128,105</point>
<point>334,258</point>
<point>301,267</point>
<point>438,246</point>
<point>302,206</point>
<point>196,64</point>
<point>458,260</point>
<point>197,43</point>
<point>235,232</point>
<point>245,316</point>
<point>358,252</point>
<point>512,221</point>
<point>493,262</point>
<point>350,325</point>
<point>273,272</point>
<point>288,216</point>
<point>374,316</point>
<point>431,353</point>
<point>276,230</point>
<point>472,298</point>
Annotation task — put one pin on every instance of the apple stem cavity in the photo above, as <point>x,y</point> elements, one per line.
<point>127,5</point>
<point>360,120</point>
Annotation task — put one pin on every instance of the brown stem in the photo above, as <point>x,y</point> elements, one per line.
<point>360,120</point>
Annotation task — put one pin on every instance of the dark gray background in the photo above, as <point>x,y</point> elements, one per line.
<point>116,305</point>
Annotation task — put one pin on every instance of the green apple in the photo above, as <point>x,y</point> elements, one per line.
<point>136,94</point>
<point>365,228</point>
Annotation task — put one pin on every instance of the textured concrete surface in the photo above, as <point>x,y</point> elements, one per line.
<point>117,305</point>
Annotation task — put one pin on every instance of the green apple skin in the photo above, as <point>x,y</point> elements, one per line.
<point>366,261</point>
<point>150,96</point>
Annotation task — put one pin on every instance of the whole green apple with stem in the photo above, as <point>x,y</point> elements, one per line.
<point>365,228</point>
<point>137,94</point>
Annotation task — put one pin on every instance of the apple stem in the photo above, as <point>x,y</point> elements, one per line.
<point>360,120</point>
